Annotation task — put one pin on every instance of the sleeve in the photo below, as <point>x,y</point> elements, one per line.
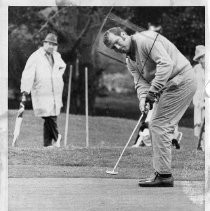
<point>207,89</point>
<point>28,75</point>
<point>141,86</point>
<point>164,64</point>
<point>61,63</point>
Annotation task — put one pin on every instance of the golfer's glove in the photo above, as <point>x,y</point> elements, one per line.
<point>23,99</point>
<point>151,97</point>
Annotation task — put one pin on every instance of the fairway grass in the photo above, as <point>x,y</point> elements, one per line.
<point>107,137</point>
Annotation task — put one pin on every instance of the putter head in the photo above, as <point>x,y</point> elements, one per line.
<point>112,172</point>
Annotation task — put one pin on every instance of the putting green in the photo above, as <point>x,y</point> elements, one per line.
<point>83,194</point>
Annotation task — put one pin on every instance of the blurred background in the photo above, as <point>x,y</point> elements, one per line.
<point>111,88</point>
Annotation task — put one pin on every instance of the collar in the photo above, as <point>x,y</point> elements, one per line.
<point>131,54</point>
<point>42,50</point>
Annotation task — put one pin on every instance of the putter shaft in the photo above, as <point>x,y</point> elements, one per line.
<point>139,121</point>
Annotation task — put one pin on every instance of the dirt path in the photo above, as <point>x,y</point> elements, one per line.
<point>93,194</point>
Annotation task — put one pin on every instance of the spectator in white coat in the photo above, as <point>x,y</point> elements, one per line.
<point>198,99</point>
<point>43,78</point>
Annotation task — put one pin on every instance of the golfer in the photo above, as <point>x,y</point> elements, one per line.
<point>42,77</point>
<point>160,73</point>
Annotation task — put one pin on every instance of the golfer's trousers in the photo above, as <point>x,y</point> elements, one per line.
<point>173,103</point>
<point>50,130</point>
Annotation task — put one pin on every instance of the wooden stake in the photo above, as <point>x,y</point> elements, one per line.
<point>68,107</point>
<point>86,106</point>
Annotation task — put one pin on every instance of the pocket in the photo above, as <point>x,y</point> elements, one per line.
<point>174,83</point>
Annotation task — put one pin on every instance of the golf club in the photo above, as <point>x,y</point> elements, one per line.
<point>113,172</point>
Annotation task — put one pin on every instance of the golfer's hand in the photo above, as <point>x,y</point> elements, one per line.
<point>151,97</point>
<point>23,99</point>
<point>22,103</point>
<point>143,106</point>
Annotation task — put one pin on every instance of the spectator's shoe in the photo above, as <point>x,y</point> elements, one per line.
<point>58,142</point>
<point>141,144</point>
<point>157,180</point>
<point>135,146</point>
<point>176,142</point>
<point>200,148</point>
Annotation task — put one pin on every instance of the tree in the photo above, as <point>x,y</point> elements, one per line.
<point>76,28</point>
<point>184,26</point>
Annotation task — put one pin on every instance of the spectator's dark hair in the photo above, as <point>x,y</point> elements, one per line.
<point>116,31</point>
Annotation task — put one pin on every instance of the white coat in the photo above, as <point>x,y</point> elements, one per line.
<point>207,89</point>
<point>198,99</point>
<point>44,82</point>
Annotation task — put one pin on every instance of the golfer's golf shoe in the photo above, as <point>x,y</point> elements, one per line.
<point>157,180</point>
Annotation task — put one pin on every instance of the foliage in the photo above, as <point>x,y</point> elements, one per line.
<point>77,28</point>
<point>25,15</point>
<point>184,26</point>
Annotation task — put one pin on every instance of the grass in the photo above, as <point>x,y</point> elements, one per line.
<point>126,106</point>
<point>107,137</point>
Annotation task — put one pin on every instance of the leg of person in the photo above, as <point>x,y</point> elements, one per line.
<point>143,133</point>
<point>54,130</point>
<point>200,140</point>
<point>139,141</point>
<point>177,138</point>
<point>136,142</point>
<point>47,133</point>
<point>197,120</point>
<point>172,104</point>
<point>146,137</point>
<point>143,125</point>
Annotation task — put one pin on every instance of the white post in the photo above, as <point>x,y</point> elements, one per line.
<point>76,79</point>
<point>68,107</point>
<point>86,106</point>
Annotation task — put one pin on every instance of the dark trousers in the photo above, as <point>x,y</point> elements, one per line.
<point>50,130</point>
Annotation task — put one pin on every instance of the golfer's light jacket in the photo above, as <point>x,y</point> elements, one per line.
<point>44,82</point>
<point>165,61</point>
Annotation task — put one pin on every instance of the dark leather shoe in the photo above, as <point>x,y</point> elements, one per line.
<point>157,181</point>
<point>175,143</point>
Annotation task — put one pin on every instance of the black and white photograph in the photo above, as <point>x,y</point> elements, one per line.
<point>104,105</point>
